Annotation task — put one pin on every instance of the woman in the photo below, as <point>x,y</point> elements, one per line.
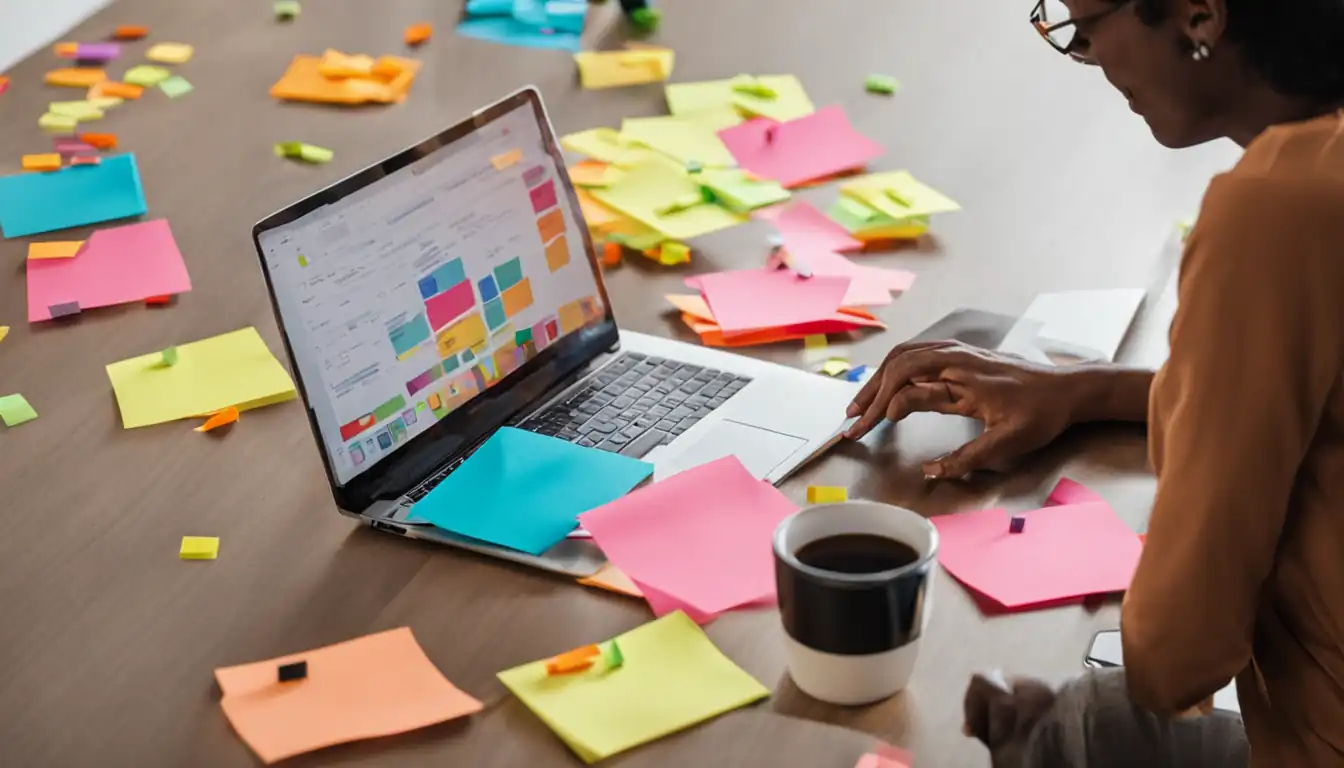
<point>1243,572</point>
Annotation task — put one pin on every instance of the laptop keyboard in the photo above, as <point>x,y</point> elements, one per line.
<point>637,403</point>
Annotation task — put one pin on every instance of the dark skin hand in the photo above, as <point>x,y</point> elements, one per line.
<point>1024,406</point>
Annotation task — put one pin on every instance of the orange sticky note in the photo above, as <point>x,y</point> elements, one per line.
<point>612,579</point>
<point>75,77</point>
<point>506,159</point>
<point>304,81</point>
<point>611,254</point>
<point>99,140</point>
<point>227,416</point>
<point>47,162</point>
<point>67,50</point>
<point>54,250</point>
<point>119,90</point>
<point>387,68</point>
<point>419,33</point>
<point>576,660</point>
<point>376,685</point>
<point>335,64</point>
<point>591,173</point>
<point>130,32</point>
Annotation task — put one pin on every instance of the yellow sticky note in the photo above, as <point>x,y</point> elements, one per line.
<point>81,111</point>
<point>605,144</point>
<point>789,103</point>
<point>62,249</point>
<point>57,123</point>
<point>146,76</point>
<point>210,375</point>
<point>4,331</point>
<point>506,159</point>
<point>15,410</point>
<point>199,548</point>
<point>826,494</point>
<point>692,136</point>
<point>591,173</point>
<point>45,162</point>
<point>899,195</point>
<point>613,69</point>
<point>651,187</point>
<point>170,53</point>
<point>835,366</point>
<point>672,678</point>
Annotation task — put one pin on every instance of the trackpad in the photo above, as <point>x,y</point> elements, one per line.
<point>759,450</point>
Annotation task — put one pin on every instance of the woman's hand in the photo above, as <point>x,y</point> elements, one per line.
<point>1023,406</point>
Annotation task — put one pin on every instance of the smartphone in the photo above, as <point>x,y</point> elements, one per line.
<point>1105,651</point>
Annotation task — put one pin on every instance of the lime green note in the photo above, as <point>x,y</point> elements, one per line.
<point>688,138</point>
<point>605,144</point>
<point>861,221</point>
<point>789,102</point>
<point>899,195</point>
<point>646,192</point>
<point>233,369</point>
<point>738,191</point>
<point>145,75</point>
<point>175,86</point>
<point>670,677</point>
<point>15,410</point>
<point>81,111</point>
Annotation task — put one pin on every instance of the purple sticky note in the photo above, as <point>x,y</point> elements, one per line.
<point>97,51</point>
<point>64,310</point>
<point>68,145</point>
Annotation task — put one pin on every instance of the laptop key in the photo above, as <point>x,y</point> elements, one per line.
<point>586,442</point>
<point>646,442</point>
<point>666,424</point>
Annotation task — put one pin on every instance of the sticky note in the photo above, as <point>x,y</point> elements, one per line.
<point>610,578</point>
<point>48,162</point>
<point>534,487</point>
<point>170,53</point>
<point>223,418</point>
<point>115,266</point>
<point>286,10</point>
<point>75,77</point>
<point>417,34</point>
<point>335,64</point>
<point>15,410</point>
<point>591,173</point>
<point>86,160</point>
<point>740,191</point>
<point>1064,552</point>
<point>168,356</point>
<point>1067,491</point>
<point>506,159</point>
<point>54,250</point>
<point>883,84</point>
<point>4,331</point>
<point>815,341</point>
<point>671,253</point>
<point>649,187</point>
<point>304,81</point>
<point>176,86</point>
<point>57,123</point>
<point>605,145</point>
<point>377,685</point>
<point>130,32</point>
<point>81,111</point>
<point>748,299</point>
<point>868,224</point>
<point>789,102</point>
<point>33,203</point>
<point>614,69</point>
<point>692,136</point>
<point>100,140</point>
<point>102,52</point>
<point>899,195</point>
<point>212,374</point>
<point>804,228</point>
<point>506,30</point>
<point>576,660</point>
<point>145,75</point>
<point>199,548</point>
<point>826,494</point>
<point>815,146</point>
<point>672,678</point>
<point>833,367</point>
<point>702,535</point>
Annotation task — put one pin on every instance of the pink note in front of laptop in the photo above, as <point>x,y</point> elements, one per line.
<point>748,299</point>
<point>814,146</point>
<point>702,537</point>
<point>1069,492</point>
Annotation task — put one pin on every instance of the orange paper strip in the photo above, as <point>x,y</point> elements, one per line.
<point>99,140</point>
<point>227,416</point>
<point>67,50</point>
<point>576,660</point>
<point>75,77</point>
<point>120,90</point>
<point>419,33</point>
<point>47,162</point>
<point>612,579</point>
<point>130,32</point>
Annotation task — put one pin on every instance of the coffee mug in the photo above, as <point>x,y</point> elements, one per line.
<point>855,591</point>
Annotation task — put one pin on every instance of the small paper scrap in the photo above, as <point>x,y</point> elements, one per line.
<point>506,159</point>
<point>170,53</point>
<point>54,250</point>
<point>576,660</point>
<point>4,331</point>
<point>418,34</point>
<point>130,32</point>
<point>199,548</point>
<point>15,410</point>
<point>47,162</point>
<point>222,418</point>
<point>883,84</point>
<point>826,494</point>
<point>104,141</point>
<point>169,356</point>
<point>176,86</point>
<point>308,153</point>
<point>286,10</point>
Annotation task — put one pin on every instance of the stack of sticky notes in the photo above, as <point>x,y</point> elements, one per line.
<point>636,65</point>
<point>119,265</point>
<point>699,540</point>
<point>888,206</point>
<point>695,313</point>
<point>1074,547</point>
<point>235,369</point>
<point>663,196</point>
<point>777,97</point>
<point>671,678</point>
<point>525,491</point>
<point>340,78</point>
<point>554,24</point>
<point>377,685</point>
<point>812,246</point>
<point>812,147</point>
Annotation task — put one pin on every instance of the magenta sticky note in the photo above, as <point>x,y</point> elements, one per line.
<point>1064,552</point>
<point>450,305</point>
<point>97,51</point>
<point>1069,492</point>
<point>115,266</point>
<point>868,286</point>
<point>803,225</point>
<point>543,197</point>
<point>812,147</point>
<point>702,537</point>
<point>749,299</point>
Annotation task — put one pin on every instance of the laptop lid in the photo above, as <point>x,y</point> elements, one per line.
<point>427,300</point>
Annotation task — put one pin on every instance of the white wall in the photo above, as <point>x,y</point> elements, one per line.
<point>26,25</point>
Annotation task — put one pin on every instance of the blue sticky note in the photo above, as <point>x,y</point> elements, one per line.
<point>489,7</point>
<point>33,203</point>
<point>509,31</point>
<point>524,491</point>
<point>567,15</point>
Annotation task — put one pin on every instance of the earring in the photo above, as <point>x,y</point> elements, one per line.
<point>1202,52</point>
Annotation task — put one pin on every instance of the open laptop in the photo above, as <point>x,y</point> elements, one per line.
<point>452,289</point>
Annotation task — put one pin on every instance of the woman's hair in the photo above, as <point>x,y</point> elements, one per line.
<point>1296,45</point>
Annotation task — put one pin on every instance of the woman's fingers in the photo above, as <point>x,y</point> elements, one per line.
<point>868,393</point>
<point>995,444</point>
<point>928,397</point>
<point>897,374</point>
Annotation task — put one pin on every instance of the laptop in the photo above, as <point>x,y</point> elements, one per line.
<point>453,289</point>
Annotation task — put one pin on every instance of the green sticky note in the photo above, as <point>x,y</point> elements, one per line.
<point>884,84</point>
<point>606,145</point>
<point>753,87</point>
<point>287,148</point>
<point>671,678</point>
<point>522,337</point>
<point>146,75</point>
<point>286,9</point>
<point>15,410</point>
<point>736,190</point>
<point>899,195</point>
<point>692,137</point>
<point>651,187</point>
<point>54,123</point>
<point>313,154</point>
<point>175,86</point>
<point>79,110</point>
<point>790,101</point>
<point>611,656</point>
<point>169,356</point>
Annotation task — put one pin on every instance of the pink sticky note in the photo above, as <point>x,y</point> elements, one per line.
<point>1069,492</point>
<point>1064,552</point>
<point>748,299</point>
<point>702,537</point>
<point>879,761</point>
<point>868,286</point>
<point>811,147</point>
<point>802,225</point>
<point>116,266</point>
<point>543,197</point>
<point>662,604</point>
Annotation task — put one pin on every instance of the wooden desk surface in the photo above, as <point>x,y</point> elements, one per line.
<point>108,640</point>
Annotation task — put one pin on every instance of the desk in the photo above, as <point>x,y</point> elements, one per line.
<point>107,640</point>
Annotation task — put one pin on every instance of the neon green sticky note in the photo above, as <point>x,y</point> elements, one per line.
<point>106,102</point>
<point>210,375</point>
<point>686,138</point>
<point>671,678</point>
<point>611,655</point>
<point>146,75</point>
<point>199,548</point>
<point>740,192</point>
<point>81,111</point>
<point>671,253</point>
<point>314,154</point>
<point>651,187</point>
<point>303,260</point>
<point>176,86</point>
<point>15,410</point>
<point>286,10</point>
<point>605,144</point>
<point>169,356</point>
<point>790,101</point>
<point>835,367</point>
<point>899,195</point>
<point>53,123</point>
<point>883,84</point>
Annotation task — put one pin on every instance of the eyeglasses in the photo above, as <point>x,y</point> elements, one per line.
<point>1063,35</point>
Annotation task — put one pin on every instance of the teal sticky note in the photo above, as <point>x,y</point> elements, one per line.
<point>524,491</point>
<point>509,31</point>
<point>75,196</point>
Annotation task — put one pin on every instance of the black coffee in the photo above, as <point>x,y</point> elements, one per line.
<point>857,553</point>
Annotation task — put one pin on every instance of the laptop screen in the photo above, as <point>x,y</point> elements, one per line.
<point>411,295</point>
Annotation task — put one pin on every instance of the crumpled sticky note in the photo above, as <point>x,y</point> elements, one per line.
<point>170,53</point>
<point>647,189</point>
<point>15,410</point>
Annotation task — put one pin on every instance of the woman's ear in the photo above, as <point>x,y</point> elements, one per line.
<point>1202,21</point>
